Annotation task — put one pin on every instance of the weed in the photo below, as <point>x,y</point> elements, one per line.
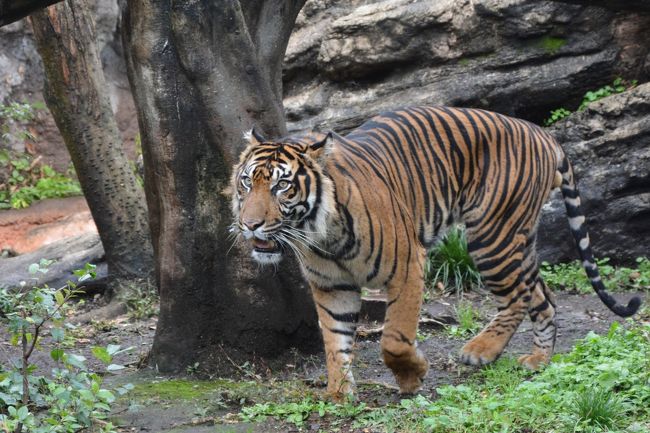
<point>571,276</point>
<point>598,408</point>
<point>141,300</point>
<point>24,180</point>
<point>451,264</point>
<point>468,319</point>
<point>12,119</point>
<point>618,86</point>
<point>556,115</point>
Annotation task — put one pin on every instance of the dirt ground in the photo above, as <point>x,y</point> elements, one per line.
<point>152,408</point>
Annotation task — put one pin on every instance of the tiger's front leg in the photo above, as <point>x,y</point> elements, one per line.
<point>398,341</point>
<point>338,314</point>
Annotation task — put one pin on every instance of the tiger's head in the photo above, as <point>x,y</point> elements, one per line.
<point>281,197</point>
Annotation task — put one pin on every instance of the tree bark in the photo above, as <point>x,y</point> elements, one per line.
<point>202,73</point>
<point>13,10</point>
<point>75,93</point>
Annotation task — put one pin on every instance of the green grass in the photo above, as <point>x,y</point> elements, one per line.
<point>602,385</point>
<point>450,264</point>
<point>469,321</point>
<point>571,276</point>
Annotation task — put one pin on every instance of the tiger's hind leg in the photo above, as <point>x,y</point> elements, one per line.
<point>398,341</point>
<point>542,314</point>
<point>504,272</point>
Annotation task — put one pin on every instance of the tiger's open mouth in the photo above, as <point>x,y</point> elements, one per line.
<point>265,246</point>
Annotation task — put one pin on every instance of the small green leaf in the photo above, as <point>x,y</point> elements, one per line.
<point>102,354</point>
<point>115,367</point>
<point>56,354</point>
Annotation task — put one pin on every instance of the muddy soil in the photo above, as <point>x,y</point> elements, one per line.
<point>214,405</point>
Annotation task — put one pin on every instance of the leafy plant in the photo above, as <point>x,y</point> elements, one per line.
<point>556,115</point>
<point>571,276</point>
<point>618,86</point>
<point>141,300</point>
<point>24,180</point>
<point>72,398</point>
<point>13,115</point>
<point>451,264</point>
<point>468,319</point>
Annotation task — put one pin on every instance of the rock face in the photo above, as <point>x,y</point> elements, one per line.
<point>609,147</point>
<point>349,60</point>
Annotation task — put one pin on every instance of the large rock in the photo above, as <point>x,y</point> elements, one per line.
<point>350,60</point>
<point>609,147</point>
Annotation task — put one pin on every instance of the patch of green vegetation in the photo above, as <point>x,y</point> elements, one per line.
<point>451,265</point>
<point>551,45</point>
<point>71,397</point>
<point>185,389</point>
<point>602,385</point>
<point>24,180</point>
<point>221,392</point>
<point>556,115</point>
<point>618,86</point>
<point>141,299</point>
<point>468,319</point>
<point>571,276</point>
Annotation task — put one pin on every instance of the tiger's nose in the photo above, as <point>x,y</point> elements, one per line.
<point>253,224</point>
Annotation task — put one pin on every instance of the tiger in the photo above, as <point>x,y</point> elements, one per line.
<point>362,211</point>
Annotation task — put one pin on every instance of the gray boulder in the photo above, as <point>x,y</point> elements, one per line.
<point>609,147</point>
<point>350,60</point>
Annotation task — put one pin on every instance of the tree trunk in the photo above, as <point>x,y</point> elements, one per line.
<point>75,93</point>
<point>202,73</point>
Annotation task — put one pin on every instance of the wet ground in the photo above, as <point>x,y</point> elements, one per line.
<point>158,405</point>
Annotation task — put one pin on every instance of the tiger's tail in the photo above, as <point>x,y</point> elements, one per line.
<point>579,231</point>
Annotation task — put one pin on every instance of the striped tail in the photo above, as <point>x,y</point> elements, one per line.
<point>579,232</point>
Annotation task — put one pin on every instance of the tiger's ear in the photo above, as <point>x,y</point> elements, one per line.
<point>254,137</point>
<point>320,150</point>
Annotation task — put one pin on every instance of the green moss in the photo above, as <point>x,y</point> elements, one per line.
<point>551,44</point>
<point>184,389</point>
<point>226,390</point>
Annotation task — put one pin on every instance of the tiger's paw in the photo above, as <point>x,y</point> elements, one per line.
<point>409,382</point>
<point>410,373</point>
<point>533,361</point>
<point>480,350</point>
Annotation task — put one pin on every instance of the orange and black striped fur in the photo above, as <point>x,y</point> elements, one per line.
<point>362,211</point>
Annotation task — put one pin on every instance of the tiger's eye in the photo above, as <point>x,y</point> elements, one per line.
<point>283,184</point>
<point>246,181</point>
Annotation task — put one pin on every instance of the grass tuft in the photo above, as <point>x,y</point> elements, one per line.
<point>451,265</point>
<point>598,408</point>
